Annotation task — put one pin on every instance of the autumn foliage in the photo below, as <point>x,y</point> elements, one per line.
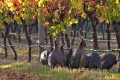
<point>16,3</point>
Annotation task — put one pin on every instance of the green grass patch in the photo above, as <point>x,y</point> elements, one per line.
<point>59,73</point>
<point>51,74</point>
<point>48,72</point>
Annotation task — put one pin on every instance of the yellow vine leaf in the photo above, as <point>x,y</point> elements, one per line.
<point>84,15</point>
<point>117,1</point>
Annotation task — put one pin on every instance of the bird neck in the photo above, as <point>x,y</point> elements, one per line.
<point>56,45</point>
<point>81,46</point>
<point>62,49</point>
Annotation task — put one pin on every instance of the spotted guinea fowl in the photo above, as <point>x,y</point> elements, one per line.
<point>108,61</point>
<point>87,61</point>
<point>64,53</point>
<point>44,57</point>
<point>93,61</point>
<point>69,54</point>
<point>56,58</point>
<point>78,56</point>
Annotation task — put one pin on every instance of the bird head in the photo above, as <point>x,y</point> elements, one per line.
<point>82,41</point>
<point>56,40</point>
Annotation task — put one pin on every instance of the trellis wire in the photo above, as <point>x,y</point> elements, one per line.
<point>97,32</point>
<point>88,39</point>
<point>73,38</point>
<point>25,45</point>
<point>21,34</point>
<point>82,31</point>
<point>64,37</point>
<point>52,47</point>
<point>103,50</point>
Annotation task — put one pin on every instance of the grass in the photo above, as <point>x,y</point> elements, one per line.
<point>56,74</point>
<point>59,73</point>
<point>38,68</point>
<point>47,72</point>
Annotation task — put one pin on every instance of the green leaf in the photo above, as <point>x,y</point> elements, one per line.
<point>17,19</point>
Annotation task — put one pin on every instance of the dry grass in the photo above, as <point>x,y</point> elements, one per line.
<point>47,73</point>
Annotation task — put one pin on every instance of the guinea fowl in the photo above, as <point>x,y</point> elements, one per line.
<point>78,57</point>
<point>44,57</point>
<point>64,54</point>
<point>56,58</point>
<point>87,61</point>
<point>93,61</point>
<point>69,54</point>
<point>108,61</point>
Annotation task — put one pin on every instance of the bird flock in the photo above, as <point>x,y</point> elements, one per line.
<point>76,58</point>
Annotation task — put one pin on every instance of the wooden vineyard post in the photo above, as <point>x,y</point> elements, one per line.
<point>41,38</point>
